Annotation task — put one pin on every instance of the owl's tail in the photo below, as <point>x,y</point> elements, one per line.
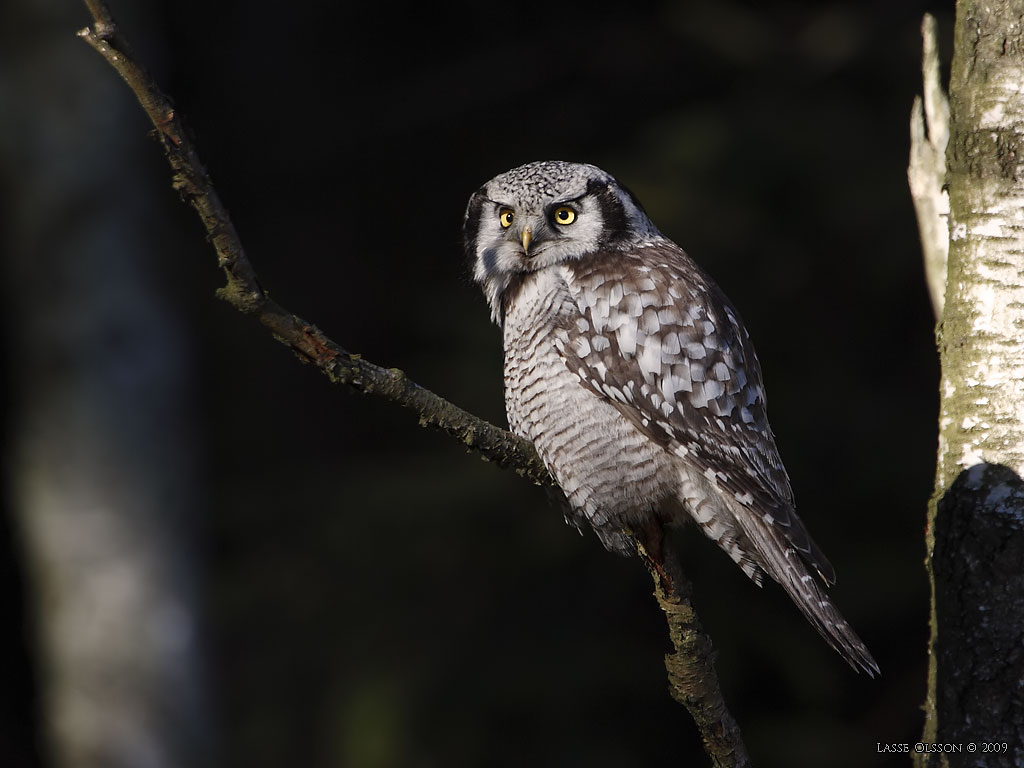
<point>783,562</point>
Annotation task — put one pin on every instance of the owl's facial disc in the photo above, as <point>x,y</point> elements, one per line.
<point>543,214</point>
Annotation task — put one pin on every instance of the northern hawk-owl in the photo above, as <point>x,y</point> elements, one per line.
<point>634,377</point>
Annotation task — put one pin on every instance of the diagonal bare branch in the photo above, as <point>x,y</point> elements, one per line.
<point>244,292</point>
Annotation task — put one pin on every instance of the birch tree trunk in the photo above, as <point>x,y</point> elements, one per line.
<point>975,534</point>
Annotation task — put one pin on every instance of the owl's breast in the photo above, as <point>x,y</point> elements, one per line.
<point>536,377</point>
<point>613,475</point>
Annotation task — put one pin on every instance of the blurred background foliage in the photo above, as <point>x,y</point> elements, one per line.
<point>373,596</point>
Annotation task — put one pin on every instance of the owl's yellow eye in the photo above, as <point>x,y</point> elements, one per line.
<point>564,215</point>
<point>505,216</point>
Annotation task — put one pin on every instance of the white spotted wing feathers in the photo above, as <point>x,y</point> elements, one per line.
<point>657,339</point>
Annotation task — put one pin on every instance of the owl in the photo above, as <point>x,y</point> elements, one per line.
<point>636,380</point>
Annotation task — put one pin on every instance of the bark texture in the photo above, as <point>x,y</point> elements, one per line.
<point>691,665</point>
<point>975,552</point>
<point>979,584</point>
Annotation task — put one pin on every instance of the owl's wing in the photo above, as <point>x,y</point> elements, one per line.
<point>658,338</point>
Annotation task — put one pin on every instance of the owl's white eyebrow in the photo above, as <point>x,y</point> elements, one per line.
<point>567,201</point>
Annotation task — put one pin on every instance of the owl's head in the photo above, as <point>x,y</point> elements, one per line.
<point>547,213</point>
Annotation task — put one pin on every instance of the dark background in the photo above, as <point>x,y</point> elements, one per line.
<point>374,596</point>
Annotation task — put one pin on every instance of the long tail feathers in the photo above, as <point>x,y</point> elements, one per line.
<point>812,601</point>
<point>784,564</point>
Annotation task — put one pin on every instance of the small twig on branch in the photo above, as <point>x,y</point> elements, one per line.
<point>692,676</point>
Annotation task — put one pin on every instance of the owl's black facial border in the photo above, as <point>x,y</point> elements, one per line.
<point>616,220</point>
<point>471,224</point>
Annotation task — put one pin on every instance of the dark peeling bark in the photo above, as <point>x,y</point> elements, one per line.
<point>979,592</point>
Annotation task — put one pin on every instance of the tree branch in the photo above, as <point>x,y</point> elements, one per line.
<point>692,675</point>
<point>243,290</point>
<point>691,665</point>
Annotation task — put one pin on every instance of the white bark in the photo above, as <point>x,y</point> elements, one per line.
<point>983,345</point>
<point>929,134</point>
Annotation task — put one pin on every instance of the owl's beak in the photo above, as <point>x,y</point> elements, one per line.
<point>527,237</point>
